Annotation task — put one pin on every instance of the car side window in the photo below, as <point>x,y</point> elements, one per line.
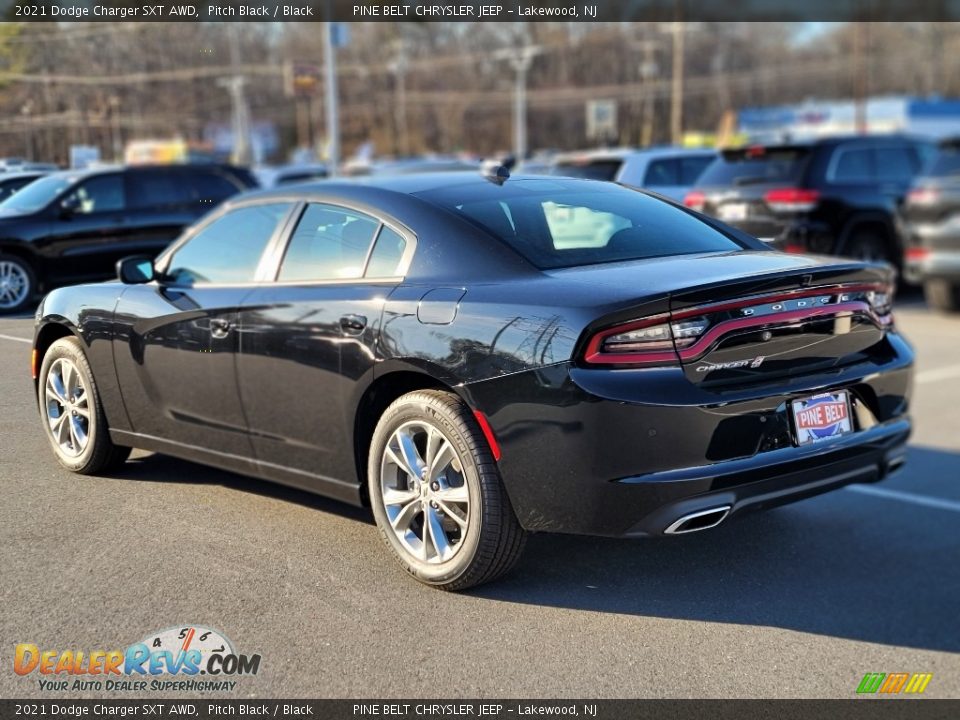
<point>661,173</point>
<point>228,250</point>
<point>99,194</point>
<point>329,243</point>
<point>156,190</point>
<point>853,165</point>
<point>896,164</point>
<point>691,168</point>
<point>387,254</point>
<point>209,188</point>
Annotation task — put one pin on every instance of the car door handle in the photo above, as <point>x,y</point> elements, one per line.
<point>353,324</point>
<point>219,328</point>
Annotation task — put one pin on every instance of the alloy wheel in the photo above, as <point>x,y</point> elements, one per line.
<point>14,284</point>
<point>66,398</point>
<point>424,491</point>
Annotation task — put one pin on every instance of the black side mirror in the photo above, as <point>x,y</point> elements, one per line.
<point>69,206</point>
<point>135,270</point>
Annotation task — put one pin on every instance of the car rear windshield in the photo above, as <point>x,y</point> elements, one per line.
<point>588,169</point>
<point>556,224</point>
<point>946,163</point>
<point>756,166</point>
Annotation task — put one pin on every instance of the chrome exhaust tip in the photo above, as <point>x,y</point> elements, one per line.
<point>702,520</point>
<point>895,463</point>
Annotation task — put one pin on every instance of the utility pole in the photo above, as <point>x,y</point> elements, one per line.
<point>676,100</point>
<point>241,111</point>
<point>648,70</point>
<point>520,59</point>
<point>398,67</point>
<point>330,84</point>
<point>26,111</point>
<point>860,79</point>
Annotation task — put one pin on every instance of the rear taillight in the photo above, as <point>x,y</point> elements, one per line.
<point>880,300</point>
<point>791,199</point>
<point>644,342</point>
<point>695,200</point>
<point>923,196</point>
<point>917,253</point>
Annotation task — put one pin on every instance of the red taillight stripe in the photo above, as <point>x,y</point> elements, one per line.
<point>775,297</point>
<point>786,318</point>
<point>594,354</point>
<point>594,351</point>
<point>488,434</point>
<point>917,253</point>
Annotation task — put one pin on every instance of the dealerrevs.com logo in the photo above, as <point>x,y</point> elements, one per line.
<point>186,658</point>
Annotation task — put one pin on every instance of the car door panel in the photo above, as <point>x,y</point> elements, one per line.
<point>302,351</point>
<point>175,365</point>
<point>177,336</point>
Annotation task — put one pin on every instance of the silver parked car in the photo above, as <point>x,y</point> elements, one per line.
<point>670,171</point>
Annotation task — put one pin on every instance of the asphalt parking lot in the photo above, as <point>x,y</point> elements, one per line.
<point>798,602</point>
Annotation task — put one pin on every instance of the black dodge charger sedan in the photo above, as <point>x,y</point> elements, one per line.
<point>482,357</point>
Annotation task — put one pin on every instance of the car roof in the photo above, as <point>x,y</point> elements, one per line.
<point>623,153</point>
<point>19,174</point>
<point>829,140</point>
<point>84,173</point>
<point>417,184</point>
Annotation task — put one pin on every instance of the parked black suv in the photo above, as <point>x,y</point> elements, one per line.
<point>73,226</point>
<point>835,196</point>
<point>931,225</point>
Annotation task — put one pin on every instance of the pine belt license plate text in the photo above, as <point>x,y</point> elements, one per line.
<point>732,211</point>
<point>821,417</point>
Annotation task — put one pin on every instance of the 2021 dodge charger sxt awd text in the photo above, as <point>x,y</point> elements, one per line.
<point>480,358</point>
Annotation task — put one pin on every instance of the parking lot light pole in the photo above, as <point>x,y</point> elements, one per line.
<point>398,67</point>
<point>521,59</point>
<point>333,122</point>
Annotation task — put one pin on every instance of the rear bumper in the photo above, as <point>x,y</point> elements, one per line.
<point>777,478</point>
<point>941,241</point>
<point>943,265</point>
<point>625,453</point>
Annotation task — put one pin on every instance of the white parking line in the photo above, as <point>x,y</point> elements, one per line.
<point>924,500</point>
<point>15,339</point>
<point>944,373</point>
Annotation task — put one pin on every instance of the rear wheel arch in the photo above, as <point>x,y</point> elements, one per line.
<point>380,394</point>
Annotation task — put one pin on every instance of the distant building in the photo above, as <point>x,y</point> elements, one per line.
<point>933,118</point>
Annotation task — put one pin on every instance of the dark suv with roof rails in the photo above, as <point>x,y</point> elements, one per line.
<point>73,226</point>
<point>832,196</point>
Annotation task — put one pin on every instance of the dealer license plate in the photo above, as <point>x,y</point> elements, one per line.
<point>821,417</point>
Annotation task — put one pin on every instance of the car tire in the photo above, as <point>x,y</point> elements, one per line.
<point>457,498</point>
<point>18,283</point>
<point>942,295</point>
<point>72,413</point>
<point>868,247</point>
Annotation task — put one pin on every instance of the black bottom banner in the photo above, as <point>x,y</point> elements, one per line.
<point>854,709</point>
